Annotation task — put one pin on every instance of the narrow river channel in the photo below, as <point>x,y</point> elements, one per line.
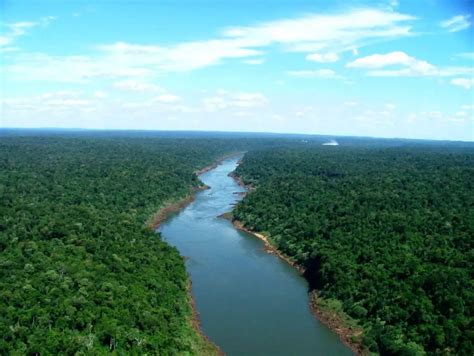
<point>249,302</point>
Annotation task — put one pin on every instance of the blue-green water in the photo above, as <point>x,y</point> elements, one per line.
<point>249,302</point>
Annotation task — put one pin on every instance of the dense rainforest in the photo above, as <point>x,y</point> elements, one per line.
<point>79,271</point>
<point>387,232</point>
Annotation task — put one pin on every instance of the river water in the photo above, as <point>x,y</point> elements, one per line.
<point>249,302</point>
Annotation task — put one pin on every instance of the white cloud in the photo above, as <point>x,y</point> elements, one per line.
<point>71,69</point>
<point>15,30</point>
<point>181,57</point>
<point>18,29</point>
<point>135,85</point>
<point>407,66</point>
<point>382,60</point>
<point>318,73</point>
<point>167,98</point>
<point>316,32</point>
<point>466,83</point>
<point>323,58</point>
<point>320,33</point>
<point>456,23</point>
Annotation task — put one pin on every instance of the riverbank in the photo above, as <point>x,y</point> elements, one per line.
<point>334,318</point>
<point>216,162</point>
<point>239,180</point>
<point>328,312</point>
<point>269,247</point>
<point>201,344</point>
<point>204,346</point>
<point>172,207</point>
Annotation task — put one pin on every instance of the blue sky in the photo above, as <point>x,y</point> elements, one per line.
<point>370,68</point>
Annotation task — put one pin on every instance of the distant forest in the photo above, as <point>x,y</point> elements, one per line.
<point>383,227</point>
<point>386,231</point>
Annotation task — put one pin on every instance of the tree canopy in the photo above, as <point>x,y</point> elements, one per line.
<point>386,230</point>
<point>80,272</point>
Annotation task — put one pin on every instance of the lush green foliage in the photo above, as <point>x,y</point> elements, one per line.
<point>387,231</point>
<point>79,271</point>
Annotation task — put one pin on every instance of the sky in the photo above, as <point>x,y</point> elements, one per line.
<point>383,68</point>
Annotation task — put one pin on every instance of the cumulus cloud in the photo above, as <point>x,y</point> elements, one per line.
<point>456,23</point>
<point>402,65</point>
<point>410,65</point>
<point>381,60</point>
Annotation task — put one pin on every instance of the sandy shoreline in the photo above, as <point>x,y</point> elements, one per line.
<point>269,248</point>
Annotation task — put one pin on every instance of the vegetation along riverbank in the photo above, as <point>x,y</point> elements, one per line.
<point>329,312</point>
<point>383,234</point>
<point>80,271</point>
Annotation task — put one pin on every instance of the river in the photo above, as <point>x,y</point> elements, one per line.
<point>249,302</point>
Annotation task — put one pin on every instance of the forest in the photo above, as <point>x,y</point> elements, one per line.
<point>80,272</point>
<point>383,227</point>
<point>386,231</point>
